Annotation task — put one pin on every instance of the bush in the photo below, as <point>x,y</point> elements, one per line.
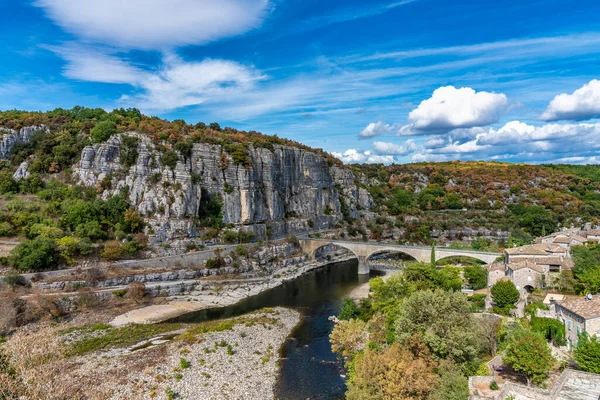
<point>494,385</point>
<point>34,255</point>
<point>552,329</point>
<point>476,275</point>
<point>349,310</point>
<point>587,353</point>
<point>169,159</point>
<point>112,250</point>
<point>103,130</point>
<point>505,294</point>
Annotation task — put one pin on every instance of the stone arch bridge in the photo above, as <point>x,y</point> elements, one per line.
<point>364,250</point>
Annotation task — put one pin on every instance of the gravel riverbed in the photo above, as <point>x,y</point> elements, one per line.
<point>241,363</point>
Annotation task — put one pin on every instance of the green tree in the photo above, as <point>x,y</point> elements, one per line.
<point>349,310</point>
<point>432,254</point>
<point>476,275</point>
<point>103,130</point>
<point>452,385</point>
<point>528,353</point>
<point>445,321</point>
<point>505,294</point>
<point>587,353</point>
<point>34,255</point>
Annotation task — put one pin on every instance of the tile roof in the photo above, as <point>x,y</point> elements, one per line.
<point>587,309</point>
<point>525,264</point>
<point>538,249</point>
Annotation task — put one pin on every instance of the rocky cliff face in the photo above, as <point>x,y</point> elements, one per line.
<point>10,137</point>
<point>290,190</point>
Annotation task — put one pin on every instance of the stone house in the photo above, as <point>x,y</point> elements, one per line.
<point>495,273</point>
<point>537,251</point>
<point>526,275</point>
<point>579,315</point>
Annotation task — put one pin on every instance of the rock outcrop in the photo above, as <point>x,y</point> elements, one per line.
<point>10,137</point>
<point>279,191</point>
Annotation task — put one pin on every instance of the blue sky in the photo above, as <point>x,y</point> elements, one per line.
<point>377,81</point>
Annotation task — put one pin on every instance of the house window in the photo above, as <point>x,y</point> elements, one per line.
<point>578,329</point>
<point>554,268</point>
<point>569,325</point>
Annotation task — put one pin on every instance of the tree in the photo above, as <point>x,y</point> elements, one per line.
<point>34,255</point>
<point>476,275</point>
<point>349,310</point>
<point>348,337</point>
<point>103,130</point>
<point>445,320</point>
<point>505,294</point>
<point>452,384</point>
<point>528,353</point>
<point>587,353</point>
<point>433,254</point>
<point>394,374</point>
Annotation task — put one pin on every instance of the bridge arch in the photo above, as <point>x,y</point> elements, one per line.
<point>478,260</point>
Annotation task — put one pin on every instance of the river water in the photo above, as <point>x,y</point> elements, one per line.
<point>309,370</point>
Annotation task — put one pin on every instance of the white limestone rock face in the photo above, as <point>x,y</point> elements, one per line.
<point>22,172</point>
<point>10,137</point>
<point>284,188</point>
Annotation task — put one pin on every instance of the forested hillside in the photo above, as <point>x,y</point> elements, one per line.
<point>85,181</point>
<point>530,199</point>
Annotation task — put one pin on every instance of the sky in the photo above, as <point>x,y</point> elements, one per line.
<point>393,81</point>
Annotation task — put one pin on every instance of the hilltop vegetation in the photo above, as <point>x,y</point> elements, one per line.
<point>530,200</point>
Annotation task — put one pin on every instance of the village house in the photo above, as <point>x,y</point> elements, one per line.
<point>579,315</point>
<point>536,251</point>
<point>526,275</point>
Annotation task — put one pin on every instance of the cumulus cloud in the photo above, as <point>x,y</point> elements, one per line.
<point>584,103</point>
<point>375,129</point>
<point>175,84</point>
<point>154,24</point>
<point>519,141</point>
<point>353,156</point>
<point>450,108</point>
<point>387,148</point>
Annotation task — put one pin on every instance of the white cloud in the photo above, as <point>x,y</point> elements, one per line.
<point>176,84</point>
<point>450,108</point>
<point>387,148</point>
<point>584,103</point>
<point>520,141</point>
<point>375,129</point>
<point>155,24</point>
<point>353,156</point>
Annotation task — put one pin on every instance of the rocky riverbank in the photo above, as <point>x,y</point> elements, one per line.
<point>233,358</point>
<point>240,363</point>
<point>180,305</point>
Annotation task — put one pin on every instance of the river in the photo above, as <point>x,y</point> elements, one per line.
<point>309,370</point>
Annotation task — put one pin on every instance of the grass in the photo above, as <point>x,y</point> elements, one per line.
<point>183,363</point>
<point>112,337</point>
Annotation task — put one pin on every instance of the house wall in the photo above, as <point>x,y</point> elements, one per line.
<point>574,324</point>
<point>525,276</point>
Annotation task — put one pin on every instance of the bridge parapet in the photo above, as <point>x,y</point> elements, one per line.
<point>364,250</point>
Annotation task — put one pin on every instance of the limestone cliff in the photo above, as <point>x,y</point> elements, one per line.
<point>10,137</point>
<point>287,189</point>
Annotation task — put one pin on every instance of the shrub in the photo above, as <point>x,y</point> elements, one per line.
<point>505,294</point>
<point>112,250</point>
<point>349,310</point>
<point>587,353</point>
<point>34,255</point>
<point>494,385</point>
<point>169,159</point>
<point>183,363</point>
<point>103,130</point>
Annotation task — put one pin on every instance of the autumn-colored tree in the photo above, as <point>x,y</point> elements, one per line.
<point>395,374</point>
<point>349,337</point>
<point>528,353</point>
